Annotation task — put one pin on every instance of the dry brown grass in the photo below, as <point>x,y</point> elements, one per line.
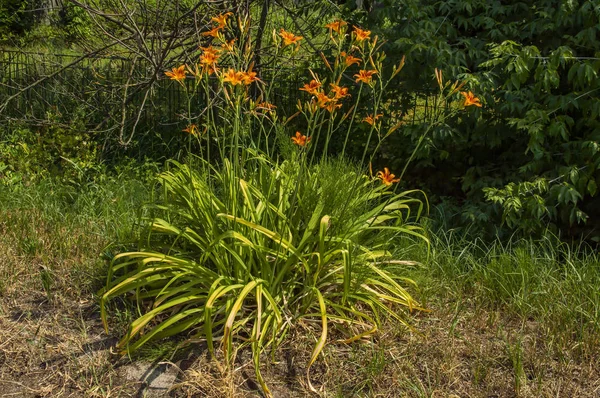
<point>485,354</point>
<point>51,340</point>
<point>52,343</point>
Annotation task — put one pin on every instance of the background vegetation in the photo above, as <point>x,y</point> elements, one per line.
<point>530,157</point>
<point>526,162</point>
<point>511,268</point>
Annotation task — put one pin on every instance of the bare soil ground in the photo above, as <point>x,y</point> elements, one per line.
<point>52,344</point>
<point>58,349</point>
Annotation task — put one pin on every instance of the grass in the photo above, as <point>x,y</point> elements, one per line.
<point>52,235</point>
<point>547,281</point>
<point>507,319</point>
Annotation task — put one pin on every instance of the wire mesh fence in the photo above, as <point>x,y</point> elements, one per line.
<point>121,96</point>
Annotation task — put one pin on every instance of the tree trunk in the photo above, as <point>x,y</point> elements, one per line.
<point>259,35</point>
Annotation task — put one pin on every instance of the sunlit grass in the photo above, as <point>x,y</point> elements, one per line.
<point>546,280</point>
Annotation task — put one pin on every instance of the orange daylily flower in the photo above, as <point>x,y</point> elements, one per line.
<point>386,177</point>
<point>349,59</point>
<point>365,76</point>
<point>229,45</point>
<point>322,99</point>
<point>248,77</point>
<point>192,129</point>
<point>221,19</point>
<point>300,139</point>
<point>312,87</point>
<point>340,92</point>
<point>177,73</point>
<point>210,50</point>
<point>233,77</point>
<point>361,34</point>
<point>372,119</point>
<point>470,99</point>
<point>336,26</point>
<point>333,105</point>
<point>214,32</point>
<point>289,38</point>
<point>209,56</point>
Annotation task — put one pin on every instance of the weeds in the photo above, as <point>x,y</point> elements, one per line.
<point>545,280</point>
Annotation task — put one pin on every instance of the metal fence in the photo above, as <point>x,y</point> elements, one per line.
<point>104,94</point>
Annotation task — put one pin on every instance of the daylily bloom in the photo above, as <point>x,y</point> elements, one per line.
<point>386,177</point>
<point>229,45</point>
<point>349,59</point>
<point>336,26</point>
<point>323,99</point>
<point>312,87</point>
<point>192,129</point>
<point>209,56</point>
<point>248,77</point>
<point>289,38</point>
<point>210,50</point>
<point>300,140</point>
<point>470,99</point>
<point>221,19</point>
<point>214,32</point>
<point>332,105</point>
<point>372,119</point>
<point>233,77</point>
<point>365,76</point>
<point>361,34</point>
<point>177,73</point>
<point>340,92</point>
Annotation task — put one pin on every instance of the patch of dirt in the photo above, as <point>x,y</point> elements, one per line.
<point>52,344</point>
<point>59,349</point>
<point>474,353</point>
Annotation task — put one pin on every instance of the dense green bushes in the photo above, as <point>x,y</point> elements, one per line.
<point>17,17</point>
<point>531,156</point>
<point>36,23</point>
<point>58,147</point>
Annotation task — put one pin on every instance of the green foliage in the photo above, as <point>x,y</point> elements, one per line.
<point>546,280</point>
<point>17,17</point>
<point>56,231</point>
<point>523,204</point>
<point>265,230</point>
<point>35,24</point>
<point>75,22</point>
<point>57,147</point>
<point>252,256</point>
<point>535,66</point>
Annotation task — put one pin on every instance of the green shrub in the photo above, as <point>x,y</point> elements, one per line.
<point>252,256</point>
<point>535,66</point>
<point>17,17</point>
<point>262,231</point>
<point>58,148</point>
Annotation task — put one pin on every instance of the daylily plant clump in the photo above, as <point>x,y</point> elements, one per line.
<point>251,241</point>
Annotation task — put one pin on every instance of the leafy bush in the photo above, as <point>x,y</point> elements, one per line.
<point>260,231</point>
<point>58,148</point>
<point>251,257</point>
<point>536,66</point>
<point>17,17</point>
